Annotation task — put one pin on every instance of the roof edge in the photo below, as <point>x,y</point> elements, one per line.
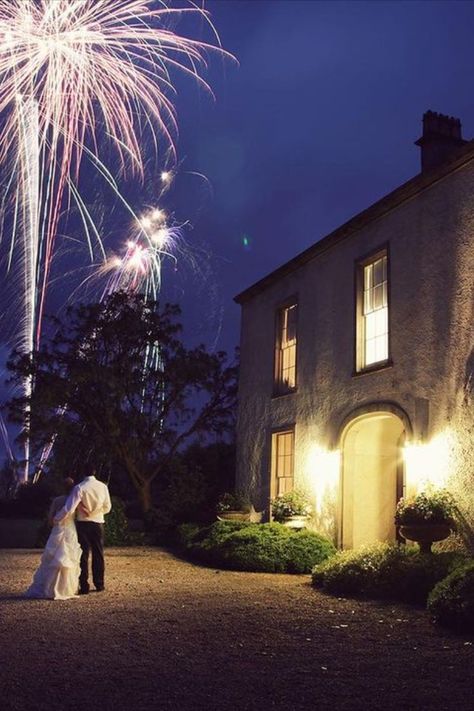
<point>378,209</point>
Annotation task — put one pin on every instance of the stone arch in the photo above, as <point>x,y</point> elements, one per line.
<point>372,407</point>
<point>371,440</point>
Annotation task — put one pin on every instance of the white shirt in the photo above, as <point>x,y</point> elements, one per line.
<point>91,498</point>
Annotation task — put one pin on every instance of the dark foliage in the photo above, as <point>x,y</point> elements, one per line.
<point>189,488</point>
<point>8,480</point>
<point>31,501</point>
<point>116,530</point>
<point>451,602</point>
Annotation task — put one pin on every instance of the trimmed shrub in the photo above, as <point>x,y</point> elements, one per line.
<point>269,547</point>
<point>257,548</point>
<point>384,571</point>
<point>306,549</point>
<point>451,602</point>
<point>204,544</point>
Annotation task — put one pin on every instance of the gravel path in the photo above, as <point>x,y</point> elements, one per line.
<point>167,634</point>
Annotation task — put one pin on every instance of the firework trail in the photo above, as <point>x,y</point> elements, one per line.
<point>75,74</point>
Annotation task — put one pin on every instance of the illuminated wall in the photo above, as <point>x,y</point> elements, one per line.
<point>430,241</point>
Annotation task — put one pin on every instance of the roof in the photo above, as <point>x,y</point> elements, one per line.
<point>389,202</point>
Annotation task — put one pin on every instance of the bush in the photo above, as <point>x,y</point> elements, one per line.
<point>186,533</point>
<point>184,495</point>
<point>255,548</point>
<point>269,547</point>
<point>451,602</point>
<point>385,571</point>
<point>306,549</point>
<point>116,531</point>
<point>204,543</point>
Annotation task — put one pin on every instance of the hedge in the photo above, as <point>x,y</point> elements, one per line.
<point>268,547</point>
<point>384,571</point>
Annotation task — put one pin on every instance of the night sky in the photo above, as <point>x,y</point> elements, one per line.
<point>316,123</point>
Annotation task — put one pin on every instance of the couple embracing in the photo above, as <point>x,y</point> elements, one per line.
<point>77,519</point>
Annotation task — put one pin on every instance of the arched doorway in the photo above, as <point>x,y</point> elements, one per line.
<point>372,477</point>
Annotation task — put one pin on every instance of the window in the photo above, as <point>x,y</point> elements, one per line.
<point>285,360</point>
<point>283,461</point>
<point>372,311</point>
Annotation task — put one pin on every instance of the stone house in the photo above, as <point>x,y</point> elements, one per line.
<point>357,356</point>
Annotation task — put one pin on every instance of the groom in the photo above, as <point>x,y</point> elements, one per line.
<point>91,499</point>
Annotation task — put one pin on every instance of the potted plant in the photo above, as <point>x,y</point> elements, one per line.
<point>234,507</point>
<point>426,518</point>
<point>292,509</point>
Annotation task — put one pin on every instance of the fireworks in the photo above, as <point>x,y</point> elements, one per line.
<point>91,62</point>
<point>76,72</point>
<point>76,75</point>
<point>139,267</point>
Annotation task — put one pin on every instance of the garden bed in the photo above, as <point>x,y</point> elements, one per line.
<point>403,574</point>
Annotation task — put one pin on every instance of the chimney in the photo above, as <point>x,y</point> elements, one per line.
<point>440,140</point>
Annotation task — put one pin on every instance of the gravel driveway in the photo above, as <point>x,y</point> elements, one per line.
<point>167,634</point>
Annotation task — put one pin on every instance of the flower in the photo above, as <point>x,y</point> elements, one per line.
<point>436,507</point>
<point>293,503</point>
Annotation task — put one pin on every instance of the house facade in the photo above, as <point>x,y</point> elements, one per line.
<point>357,356</point>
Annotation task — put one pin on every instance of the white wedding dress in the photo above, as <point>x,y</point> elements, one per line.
<point>57,577</point>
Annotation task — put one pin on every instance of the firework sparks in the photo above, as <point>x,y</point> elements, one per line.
<point>94,61</point>
<point>139,267</point>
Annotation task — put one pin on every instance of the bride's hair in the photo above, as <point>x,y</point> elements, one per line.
<point>68,484</point>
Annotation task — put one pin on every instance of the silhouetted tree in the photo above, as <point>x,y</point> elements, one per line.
<point>101,396</point>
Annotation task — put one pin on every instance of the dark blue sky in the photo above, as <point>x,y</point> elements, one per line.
<point>316,124</point>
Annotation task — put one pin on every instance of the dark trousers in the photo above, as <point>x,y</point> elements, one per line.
<point>91,538</point>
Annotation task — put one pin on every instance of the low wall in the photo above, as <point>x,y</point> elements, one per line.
<point>19,532</point>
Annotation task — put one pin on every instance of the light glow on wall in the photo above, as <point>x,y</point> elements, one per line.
<point>323,467</point>
<point>428,464</point>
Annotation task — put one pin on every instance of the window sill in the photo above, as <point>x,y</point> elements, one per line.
<point>375,368</point>
<point>282,393</point>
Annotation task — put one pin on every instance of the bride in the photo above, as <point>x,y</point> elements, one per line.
<point>57,577</point>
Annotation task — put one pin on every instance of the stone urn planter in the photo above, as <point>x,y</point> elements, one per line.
<point>241,515</point>
<point>233,516</point>
<point>292,509</point>
<point>425,534</point>
<point>427,517</point>
<point>237,507</point>
<point>296,522</point>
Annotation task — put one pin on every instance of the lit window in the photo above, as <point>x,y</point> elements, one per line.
<point>285,374</point>
<point>283,458</point>
<point>373,312</point>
